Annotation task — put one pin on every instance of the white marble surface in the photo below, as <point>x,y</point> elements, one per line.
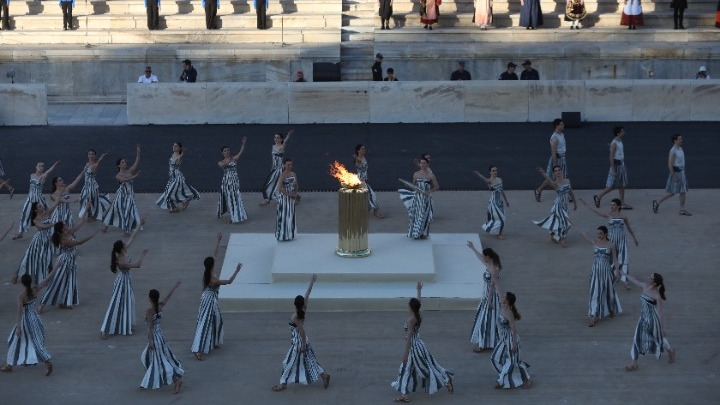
<point>23,104</point>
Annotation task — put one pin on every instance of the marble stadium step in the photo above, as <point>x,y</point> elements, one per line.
<point>358,33</point>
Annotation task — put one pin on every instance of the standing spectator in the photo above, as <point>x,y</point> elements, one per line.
<point>189,74</point>
<point>385,10</point>
<point>148,77</point>
<point>483,13</point>
<point>531,15</point>
<point>67,6</point>
<point>390,75</point>
<point>460,73</point>
<point>678,7</point>
<point>261,7</point>
<point>300,77</point>
<point>575,12</point>
<point>377,68</point>
<point>153,15</point>
<point>5,14</point>
<point>528,72</point>
<point>211,7</point>
<point>429,11</point>
<point>702,73</point>
<point>632,14</point>
<point>509,74</point>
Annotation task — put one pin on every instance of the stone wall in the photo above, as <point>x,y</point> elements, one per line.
<point>23,104</point>
<point>412,102</point>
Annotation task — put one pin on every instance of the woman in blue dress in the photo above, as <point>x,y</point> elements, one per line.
<point>484,332</point>
<point>269,190</point>
<point>558,222</point>
<point>285,216</point>
<point>90,198</point>
<point>178,193</point>
<point>35,194</point>
<point>362,172</point>
<point>37,260</point>
<point>603,300</point>
<point>124,213</point>
<point>418,201</point>
<point>161,365</point>
<point>513,372</point>
<point>60,193</point>
<point>496,206</point>
<point>230,198</point>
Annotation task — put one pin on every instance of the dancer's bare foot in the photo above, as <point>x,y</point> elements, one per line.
<point>378,214</point>
<point>12,192</point>
<point>479,350</point>
<point>402,398</point>
<point>176,386</point>
<point>48,368</point>
<point>527,384</point>
<point>63,306</point>
<point>264,203</point>
<point>279,387</point>
<point>41,308</point>
<point>184,206</point>
<point>593,321</point>
<point>14,280</point>
<point>631,367</point>
<point>199,356</point>
<point>671,356</point>
<point>6,368</point>
<point>17,236</point>
<point>103,335</point>
<point>326,380</point>
<point>104,229</point>
<point>450,387</point>
<point>500,237</point>
<point>498,386</point>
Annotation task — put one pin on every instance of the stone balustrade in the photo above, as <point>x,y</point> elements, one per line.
<point>23,104</point>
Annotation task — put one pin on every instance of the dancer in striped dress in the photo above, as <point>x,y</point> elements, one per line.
<point>300,365</point>
<point>209,329</point>
<point>603,299</point>
<point>26,343</point>
<point>617,223</point>
<point>90,198</point>
<point>362,172</point>
<point>419,367</point>
<point>120,315</point>
<point>617,174</point>
<point>269,190</point>
<point>419,206</point>
<point>506,356</point>
<point>63,287</point>
<point>161,365</point>
<point>178,194</point>
<point>288,188</point>
<point>484,332</point>
<point>34,195</point>
<point>60,192</point>
<point>124,213</point>
<point>230,198</point>
<point>496,206</point>
<point>38,257</point>
<point>650,335</point>
<point>5,183</point>
<point>677,182</point>
<point>558,148</point>
<point>558,223</point>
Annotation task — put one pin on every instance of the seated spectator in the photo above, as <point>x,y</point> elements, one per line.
<point>528,72</point>
<point>148,77</point>
<point>300,77</point>
<point>702,73</point>
<point>461,73</point>
<point>509,74</point>
<point>390,76</point>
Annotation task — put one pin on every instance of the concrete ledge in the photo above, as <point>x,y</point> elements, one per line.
<point>23,104</point>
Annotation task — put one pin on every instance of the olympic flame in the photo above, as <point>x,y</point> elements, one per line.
<point>346,179</point>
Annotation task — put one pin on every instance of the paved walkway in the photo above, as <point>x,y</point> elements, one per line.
<point>570,363</point>
<point>87,114</point>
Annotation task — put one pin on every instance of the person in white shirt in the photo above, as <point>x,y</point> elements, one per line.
<point>702,74</point>
<point>148,77</point>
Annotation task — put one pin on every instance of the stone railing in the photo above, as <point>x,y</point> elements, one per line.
<point>413,102</point>
<point>23,104</point>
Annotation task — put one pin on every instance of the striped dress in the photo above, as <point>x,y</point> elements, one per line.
<point>484,331</point>
<point>495,211</point>
<point>230,198</point>
<point>648,334</point>
<point>299,367</point>
<point>120,315</point>
<point>209,330</point>
<point>558,223</point>
<point>618,236</point>
<point>419,209</point>
<point>177,191</point>
<point>603,299</point>
<point>38,257</point>
<point>362,173</point>
<point>34,195</point>
<point>269,190</point>
<point>285,224</point>
<point>161,365</point>
<point>123,213</point>
<point>420,369</point>
<point>63,287</point>
<point>513,371</point>
<point>90,195</point>
<point>29,348</point>
<point>63,213</point>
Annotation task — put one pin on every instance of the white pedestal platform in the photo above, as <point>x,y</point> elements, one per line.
<point>275,272</point>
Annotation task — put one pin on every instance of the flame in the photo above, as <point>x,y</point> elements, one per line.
<point>347,179</point>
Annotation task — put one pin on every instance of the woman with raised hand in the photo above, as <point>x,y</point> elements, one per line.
<point>209,330</point>
<point>617,224</point>
<point>418,201</point>
<point>63,287</point>
<point>650,332</point>
<point>603,299</point>
<point>300,365</point>
<point>230,198</point>
<point>285,215</point>
<point>37,260</point>
<point>418,365</point>
<point>484,332</point>
<point>124,213</point>
<point>362,172</point>
<point>506,356</point>
<point>269,190</point>
<point>161,365</point>
<point>60,192</point>
<point>496,206</point>
<point>120,315</point>
<point>26,343</point>
<point>558,222</point>
<point>37,180</point>
<point>90,198</point>
<point>178,193</point>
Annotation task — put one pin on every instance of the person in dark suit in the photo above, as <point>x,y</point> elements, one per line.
<point>509,74</point>
<point>528,72</point>
<point>211,8</point>
<point>377,68</point>
<point>153,15</point>
<point>189,74</point>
